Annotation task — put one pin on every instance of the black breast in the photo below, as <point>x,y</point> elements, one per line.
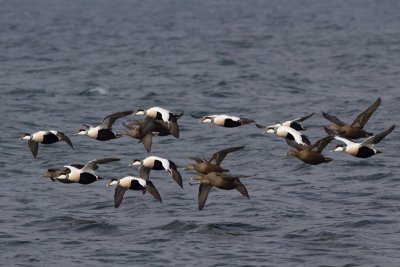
<point>105,134</point>
<point>135,185</point>
<point>50,138</point>
<point>231,123</point>
<point>158,165</point>
<point>365,152</point>
<point>87,178</point>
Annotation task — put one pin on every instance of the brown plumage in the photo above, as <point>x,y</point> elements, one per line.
<point>354,130</point>
<point>212,165</point>
<point>313,154</point>
<point>221,181</point>
<point>146,136</point>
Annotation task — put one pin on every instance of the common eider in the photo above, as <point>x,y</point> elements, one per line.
<point>53,173</point>
<point>213,164</point>
<point>85,175</point>
<point>104,132</point>
<point>164,117</point>
<point>157,163</point>
<point>44,137</point>
<point>221,181</point>
<point>360,150</point>
<point>146,136</point>
<point>313,154</point>
<point>291,135</point>
<point>354,130</point>
<point>226,120</point>
<point>133,183</point>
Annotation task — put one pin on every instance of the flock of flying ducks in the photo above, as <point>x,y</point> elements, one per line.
<point>161,122</point>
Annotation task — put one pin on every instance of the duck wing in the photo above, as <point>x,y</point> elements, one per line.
<point>171,125</point>
<point>148,126</point>
<point>219,156</point>
<point>152,190</point>
<point>34,147</point>
<point>65,138</point>
<point>92,165</point>
<point>242,189</point>
<point>198,160</point>
<point>126,125</point>
<point>110,119</point>
<point>377,138</point>
<point>333,119</point>
<point>297,137</point>
<point>321,144</point>
<point>144,172</point>
<point>119,195</point>
<point>363,118</point>
<point>303,118</point>
<point>203,194</point>
<point>176,176</point>
<point>197,116</point>
<point>295,145</point>
<point>339,137</point>
<point>147,141</point>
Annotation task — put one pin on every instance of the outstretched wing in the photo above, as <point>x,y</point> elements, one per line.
<point>321,144</point>
<point>219,156</point>
<point>302,118</point>
<point>362,119</point>
<point>176,176</point>
<point>377,138</point>
<point>110,119</point>
<point>203,193</point>
<point>63,137</point>
<point>333,119</point>
<point>34,147</point>
<point>197,116</point>
<point>295,145</point>
<point>242,189</point>
<point>147,141</point>
<point>339,137</point>
<point>106,160</point>
<point>144,172</point>
<point>119,195</point>
<point>198,160</point>
<point>152,190</point>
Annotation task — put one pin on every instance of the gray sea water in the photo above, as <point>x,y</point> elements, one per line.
<point>65,63</point>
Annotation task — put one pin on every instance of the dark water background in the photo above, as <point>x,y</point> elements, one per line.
<point>64,63</point>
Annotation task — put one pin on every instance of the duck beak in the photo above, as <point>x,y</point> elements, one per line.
<point>270,130</point>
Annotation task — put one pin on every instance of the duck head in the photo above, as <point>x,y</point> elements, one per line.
<point>136,162</point>
<point>113,182</point>
<point>25,137</point>
<point>82,132</point>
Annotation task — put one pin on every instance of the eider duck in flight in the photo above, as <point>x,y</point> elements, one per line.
<point>295,124</point>
<point>221,181</point>
<point>226,120</point>
<point>291,135</point>
<point>164,117</point>
<point>213,164</point>
<point>155,129</point>
<point>85,175</point>
<point>157,163</point>
<point>354,130</point>
<point>313,154</point>
<point>53,173</point>
<point>133,183</point>
<point>360,150</point>
<point>104,131</point>
<point>44,137</point>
